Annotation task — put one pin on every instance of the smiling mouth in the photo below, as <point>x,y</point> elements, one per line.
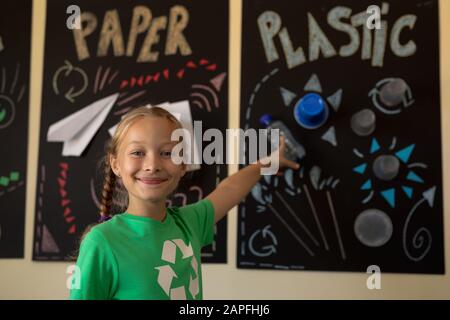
<point>151,181</point>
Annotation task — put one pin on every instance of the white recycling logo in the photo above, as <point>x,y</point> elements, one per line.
<point>166,273</point>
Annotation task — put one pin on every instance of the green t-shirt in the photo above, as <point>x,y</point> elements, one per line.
<point>132,257</point>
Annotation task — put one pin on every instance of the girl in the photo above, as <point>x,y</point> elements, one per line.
<point>150,251</point>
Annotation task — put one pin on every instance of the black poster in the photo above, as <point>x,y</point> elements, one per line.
<point>356,83</point>
<point>119,55</point>
<point>15,42</point>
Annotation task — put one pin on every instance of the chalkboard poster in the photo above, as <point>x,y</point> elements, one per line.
<point>119,55</point>
<point>15,39</point>
<point>357,85</point>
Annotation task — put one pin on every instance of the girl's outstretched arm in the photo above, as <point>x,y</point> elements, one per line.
<point>234,188</point>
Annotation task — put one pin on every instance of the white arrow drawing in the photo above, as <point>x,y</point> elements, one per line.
<point>165,276</point>
<point>178,293</point>
<point>193,287</point>
<point>193,283</point>
<point>185,249</point>
<point>78,129</point>
<point>194,265</point>
<point>169,251</point>
<point>418,241</point>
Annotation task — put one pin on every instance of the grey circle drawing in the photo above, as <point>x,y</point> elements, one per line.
<point>7,111</point>
<point>363,122</point>
<point>392,93</point>
<point>386,167</point>
<point>373,228</point>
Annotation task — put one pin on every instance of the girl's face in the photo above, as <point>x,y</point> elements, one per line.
<point>144,160</point>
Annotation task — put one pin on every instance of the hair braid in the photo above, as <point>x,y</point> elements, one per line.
<point>108,189</point>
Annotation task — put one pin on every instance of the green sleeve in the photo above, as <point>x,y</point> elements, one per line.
<point>97,268</point>
<point>201,216</point>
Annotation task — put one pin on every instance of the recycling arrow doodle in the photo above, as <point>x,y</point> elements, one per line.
<point>166,273</point>
<point>268,249</point>
<point>69,69</point>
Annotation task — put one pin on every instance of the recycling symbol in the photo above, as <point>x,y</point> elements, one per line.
<point>166,273</point>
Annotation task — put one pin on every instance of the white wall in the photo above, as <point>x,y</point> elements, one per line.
<point>26,279</point>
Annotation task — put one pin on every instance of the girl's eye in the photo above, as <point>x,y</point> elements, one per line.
<point>166,154</point>
<point>137,153</point>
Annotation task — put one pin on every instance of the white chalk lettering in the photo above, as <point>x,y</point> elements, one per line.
<point>366,31</point>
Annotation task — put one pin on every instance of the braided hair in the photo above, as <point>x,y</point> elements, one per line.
<point>109,185</point>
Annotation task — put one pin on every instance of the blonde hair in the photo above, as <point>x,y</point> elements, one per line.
<point>109,182</point>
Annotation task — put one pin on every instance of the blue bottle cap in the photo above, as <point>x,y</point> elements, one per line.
<point>265,119</point>
<point>311,111</point>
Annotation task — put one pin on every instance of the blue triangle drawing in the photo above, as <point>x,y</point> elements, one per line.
<point>367,185</point>
<point>405,153</point>
<point>374,147</point>
<point>361,168</point>
<point>389,196</point>
<point>408,191</point>
<point>414,177</point>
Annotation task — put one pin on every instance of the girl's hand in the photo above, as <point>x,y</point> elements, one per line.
<point>283,162</point>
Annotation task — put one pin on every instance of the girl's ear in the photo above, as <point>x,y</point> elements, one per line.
<point>113,164</point>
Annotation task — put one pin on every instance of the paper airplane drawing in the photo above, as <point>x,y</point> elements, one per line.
<point>78,129</point>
